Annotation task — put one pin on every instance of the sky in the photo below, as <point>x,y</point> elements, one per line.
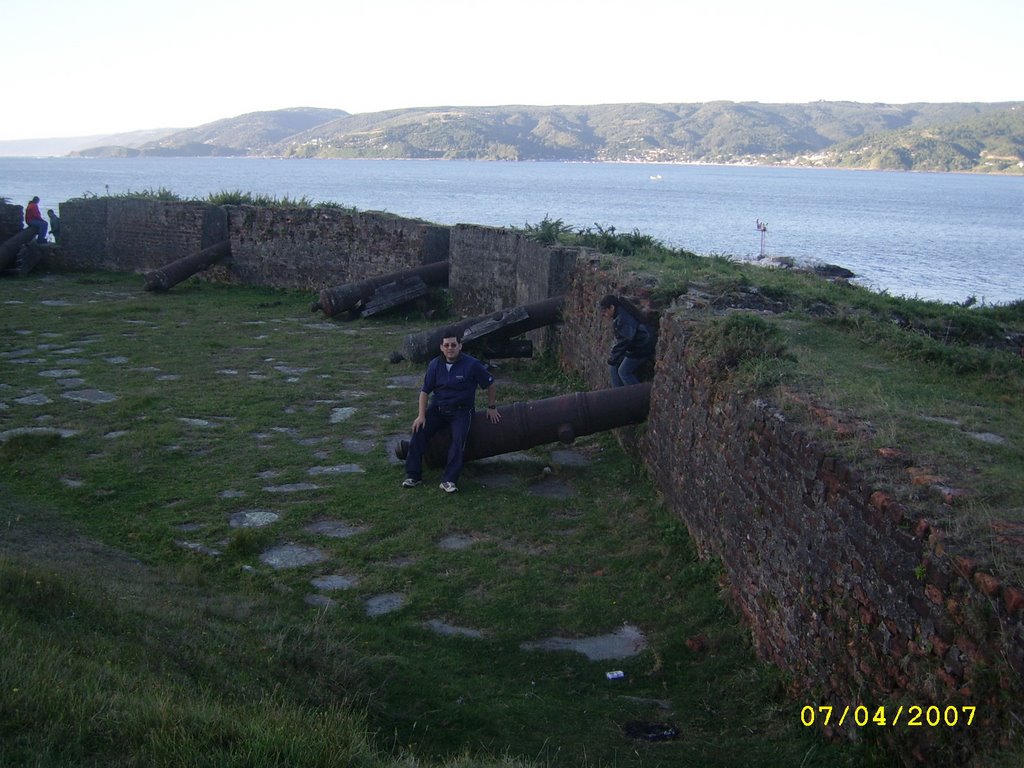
<point>110,66</point>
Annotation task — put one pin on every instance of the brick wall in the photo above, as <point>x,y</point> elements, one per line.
<point>501,268</point>
<point>493,268</point>
<point>858,598</point>
<point>303,248</point>
<point>134,235</point>
<point>11,218</point>
<point>316,248</point>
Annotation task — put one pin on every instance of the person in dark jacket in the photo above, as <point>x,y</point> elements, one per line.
<point>54,224</point>
<point>634,342</point>
<point>447,399</point>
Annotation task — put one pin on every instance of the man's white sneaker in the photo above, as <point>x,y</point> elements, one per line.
<point>448,487</point>
<point>410,483</point>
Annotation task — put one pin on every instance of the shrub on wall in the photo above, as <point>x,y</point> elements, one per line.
<point>741,347</point>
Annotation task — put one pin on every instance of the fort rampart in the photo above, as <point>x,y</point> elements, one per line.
<point>860,600</point>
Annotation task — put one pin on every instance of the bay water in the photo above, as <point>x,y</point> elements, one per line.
<point>943,237</point>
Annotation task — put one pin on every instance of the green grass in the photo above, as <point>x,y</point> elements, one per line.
<point>942,384</point>
<point>961,425</point>
<point>126,648</point>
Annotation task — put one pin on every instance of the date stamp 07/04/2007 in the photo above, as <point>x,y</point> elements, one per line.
<point>862,716</point>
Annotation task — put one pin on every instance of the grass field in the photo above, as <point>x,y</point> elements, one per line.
<point>142,628</point>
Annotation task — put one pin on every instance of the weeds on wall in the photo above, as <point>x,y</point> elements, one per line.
<point>162,194</point>
<point>607,240</point>
<point>742,348</point>
<point>229,197</point>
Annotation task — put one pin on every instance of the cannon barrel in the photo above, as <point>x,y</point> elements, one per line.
<point>352,296</point>
<point>168,276</point>
<point>478,331</point>
<point>10,247</point>
<point>556,419</point>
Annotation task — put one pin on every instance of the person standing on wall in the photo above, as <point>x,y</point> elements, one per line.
<point>33,218</point>
<point>446,399</point>
<point>54,224</point>
<point>634,342</point>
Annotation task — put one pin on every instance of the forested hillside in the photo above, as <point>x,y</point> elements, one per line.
<point>924,137</point>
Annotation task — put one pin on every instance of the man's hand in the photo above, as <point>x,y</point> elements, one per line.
<point>418,423</point>
<point>493,416</point>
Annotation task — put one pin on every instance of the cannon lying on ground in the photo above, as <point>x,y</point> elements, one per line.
<point>170,275</point>
<point>11,246</point>
<point>375,294</point>
<point>556,419</point>
<point>489,335</point>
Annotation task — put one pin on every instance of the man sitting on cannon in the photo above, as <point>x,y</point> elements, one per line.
<point>447,399</point>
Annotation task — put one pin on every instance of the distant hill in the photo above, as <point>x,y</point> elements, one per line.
<point>931,137</point>
<point>55,147</point>
<point>991,141</point>
<point>250,134</point>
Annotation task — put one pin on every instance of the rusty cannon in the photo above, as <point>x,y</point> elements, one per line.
<point>488,335</point>
<point>556,419</point>
<point>167,277</point>
<point>10,247</point>
<point>376,294</point>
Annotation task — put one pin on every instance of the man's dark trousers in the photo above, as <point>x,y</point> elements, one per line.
<point>460,420</point>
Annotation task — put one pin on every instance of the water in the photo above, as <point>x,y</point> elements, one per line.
<point>935,236</point>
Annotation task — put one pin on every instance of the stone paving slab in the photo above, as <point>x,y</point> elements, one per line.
<point>292,556</point>
<point>338,415</point>
<point>94,396</point>
<point>569,458</point>
<point>333,582</point>
<point>622,644</point>
<point>319,601</point>
<point>354,445</point>
<point>379,605</point>
<point>291,488</point>
<point>253,518</point>
<point>36,432</point>
<point>337,469</point>
<point>450,630</point>
<point>457,541</point>
<point>336,529</point>
<point>202,549</point>
<point>37,398</point>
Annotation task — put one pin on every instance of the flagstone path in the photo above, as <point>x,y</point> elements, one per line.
<point>63,374</point>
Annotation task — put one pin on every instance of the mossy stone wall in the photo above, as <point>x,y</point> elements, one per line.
<point>859,599</point>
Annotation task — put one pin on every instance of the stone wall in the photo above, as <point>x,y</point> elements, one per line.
<point>493,269</point>
<point>501,268</point>
<point>313,248</point>
<point>300,248</point>
<point>134,235</point>
<point>316,248</point>
<point>11,218</point>
<point>858,598</point>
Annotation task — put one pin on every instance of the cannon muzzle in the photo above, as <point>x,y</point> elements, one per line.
<point>171,274</point>
<point>538,422</point>
<point>10,247</point>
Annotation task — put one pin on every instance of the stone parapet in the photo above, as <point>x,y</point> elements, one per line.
<point>501,268</point>
<point>859,599</point>
<point>11,218</point>
<point>317,248</point>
